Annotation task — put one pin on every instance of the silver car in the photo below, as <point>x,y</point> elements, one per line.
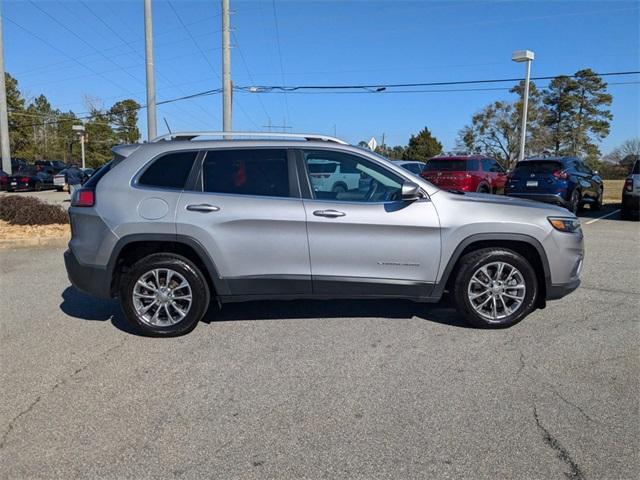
<point>171,225</point>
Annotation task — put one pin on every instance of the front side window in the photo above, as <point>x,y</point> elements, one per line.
<point>350,178</point>
<point>169,171</point>
<point>246,172</point>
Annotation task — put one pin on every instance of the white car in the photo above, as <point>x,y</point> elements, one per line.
<point>326,176</point>
<point>411,165</point>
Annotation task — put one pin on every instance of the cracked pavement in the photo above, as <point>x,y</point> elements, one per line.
<point>323,389</point>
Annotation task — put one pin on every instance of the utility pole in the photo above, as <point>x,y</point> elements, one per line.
<point>226,69</point>
<point>152,131</point>
<point>4,120</point>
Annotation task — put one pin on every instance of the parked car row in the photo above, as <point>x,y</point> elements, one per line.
<point>563,181</point>
<point>41,175</point>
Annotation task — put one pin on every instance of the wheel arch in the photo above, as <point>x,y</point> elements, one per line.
<point>526,245</point>
<point>130,248</point>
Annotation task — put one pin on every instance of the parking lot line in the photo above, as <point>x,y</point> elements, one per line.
<point>603,216</point>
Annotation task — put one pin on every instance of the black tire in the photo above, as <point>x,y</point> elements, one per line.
<point>574,201</point>
<point>483,188</point>
<point>339,188</point>
<point>59,189</point>
<point>597,203</point>
<point>183,266</point>
<point>37,186</point>
<point>469,265</point>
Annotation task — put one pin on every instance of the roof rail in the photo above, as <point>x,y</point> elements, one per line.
<point>192,135</point>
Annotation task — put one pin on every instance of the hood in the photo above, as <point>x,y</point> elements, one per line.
<point>502,200</point>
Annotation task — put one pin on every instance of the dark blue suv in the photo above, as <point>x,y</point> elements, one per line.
<point>564,181</point>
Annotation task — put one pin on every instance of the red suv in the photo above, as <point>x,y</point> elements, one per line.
<point>469,173</point>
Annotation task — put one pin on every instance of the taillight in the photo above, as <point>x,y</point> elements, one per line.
<point>24,179</point>
<point>560,175</point>
<point>3,180</point>
<point>83,198</point>
<point>628,185</point>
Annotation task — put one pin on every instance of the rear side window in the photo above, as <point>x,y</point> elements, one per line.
<point>169,171</point>
<point>636,169</point>
<point>246,172</point>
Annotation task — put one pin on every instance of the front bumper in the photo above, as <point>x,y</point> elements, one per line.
<point>554,292</point>
<point>553,198</point>
<point>90,279</point>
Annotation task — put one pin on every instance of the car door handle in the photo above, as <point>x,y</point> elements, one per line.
<point>203,207</point>
<point>329,213</point>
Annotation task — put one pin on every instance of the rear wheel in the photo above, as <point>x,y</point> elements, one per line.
<point>597,203</point>
<point>164,295</point>
<point>483,188</point>
<point>495,288</point>
<point>37,186</point>
<point>339,188</point>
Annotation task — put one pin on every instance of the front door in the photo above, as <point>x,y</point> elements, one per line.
<point>250,219</point>
<point>365,240</point>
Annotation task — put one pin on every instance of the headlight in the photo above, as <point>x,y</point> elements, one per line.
<point>563,224</point>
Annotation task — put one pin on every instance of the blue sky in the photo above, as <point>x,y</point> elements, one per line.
<point>74,54</point>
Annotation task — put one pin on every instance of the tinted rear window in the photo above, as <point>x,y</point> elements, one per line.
<point>534,166</point>
<point>246,172</point>
<point>636,169</point>
<point>169,171</point>
<point>443,165</point>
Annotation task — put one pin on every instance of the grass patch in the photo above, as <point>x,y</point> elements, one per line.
<point>23,210</point>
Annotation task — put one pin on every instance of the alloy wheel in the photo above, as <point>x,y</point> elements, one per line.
<point>496,291</point>
<point>162,297</point>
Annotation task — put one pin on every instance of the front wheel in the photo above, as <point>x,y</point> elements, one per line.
<point>574,202</point>
<point>495,288</point>
<point>164,295</point>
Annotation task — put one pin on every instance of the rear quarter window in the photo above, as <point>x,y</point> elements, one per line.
<point>169,171</point>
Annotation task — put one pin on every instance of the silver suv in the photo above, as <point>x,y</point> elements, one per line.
<point>170,225</point>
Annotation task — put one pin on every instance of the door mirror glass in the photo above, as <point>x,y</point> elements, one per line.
<point>410,191</point>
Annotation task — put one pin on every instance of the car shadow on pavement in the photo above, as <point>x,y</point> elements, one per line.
<point>84,307</point>
<point>311,309</point>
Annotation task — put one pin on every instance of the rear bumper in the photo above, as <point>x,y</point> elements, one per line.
<point>554,198</point>
<point>555,292</point>
<point>630,201</point>
<point>87,278</point>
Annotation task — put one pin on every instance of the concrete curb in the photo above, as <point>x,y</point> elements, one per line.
<point>35,242</point>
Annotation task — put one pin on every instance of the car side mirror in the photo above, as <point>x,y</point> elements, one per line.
<point>410,191</point>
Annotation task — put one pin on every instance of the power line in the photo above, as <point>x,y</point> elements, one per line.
<point>286,88</point>
<point>275,19</point>
<point>140,56</point>
<point>247,90</point>
<point>246,67</point>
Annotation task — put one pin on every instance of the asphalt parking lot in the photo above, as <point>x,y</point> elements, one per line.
<point>343,389</point>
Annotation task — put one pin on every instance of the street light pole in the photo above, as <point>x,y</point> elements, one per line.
<point>152,131</point>
<point>4,116</point>
<point>524,56</point>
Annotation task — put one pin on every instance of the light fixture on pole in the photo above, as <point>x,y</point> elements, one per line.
<point>527,56</point>
<point>79,129</point>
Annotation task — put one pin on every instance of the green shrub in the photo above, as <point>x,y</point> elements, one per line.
<point>24,210</point>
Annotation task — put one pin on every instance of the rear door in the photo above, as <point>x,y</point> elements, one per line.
<point>367,241</point>
<point>246,211</point>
